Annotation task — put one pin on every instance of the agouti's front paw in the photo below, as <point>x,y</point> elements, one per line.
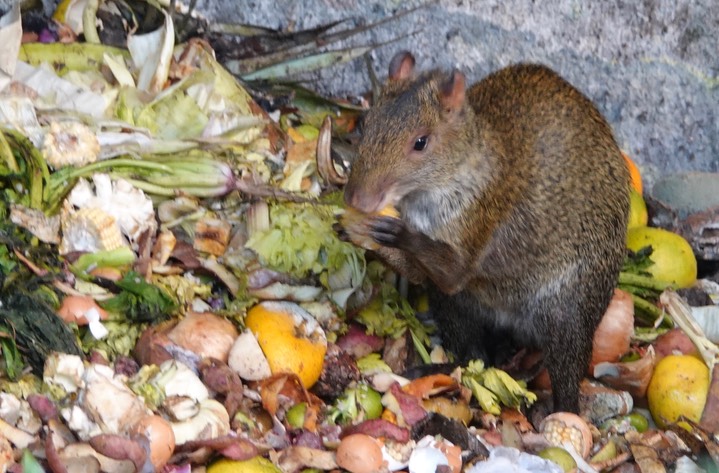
<point>389,231</point>
<point>357,227</point>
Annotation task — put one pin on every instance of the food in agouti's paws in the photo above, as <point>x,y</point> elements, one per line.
<point>357,225</point>
<point>514,201</point>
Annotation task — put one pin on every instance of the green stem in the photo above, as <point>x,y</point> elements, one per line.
<point>116,258</point>
<point>632,279</point>
<point>7,155</point>
<point>654,311</point>
<point>118,162</point>
<point>172,191</point>
<point>61,181</point>
<point>36,168</point>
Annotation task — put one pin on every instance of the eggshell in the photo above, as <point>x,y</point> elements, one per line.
<point>430,453</point>
<point>74,308</point>
<point>247,359</point>
<point>161,437</point>
<point>360,453</point>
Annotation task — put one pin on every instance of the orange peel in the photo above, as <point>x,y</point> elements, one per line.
<point>290,338</point>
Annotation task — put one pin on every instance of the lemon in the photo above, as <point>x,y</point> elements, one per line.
<point>638,216</point>
<point>290,338</point>
<point>674,260</point>
<point>678,387</point>
<point>253,465</point>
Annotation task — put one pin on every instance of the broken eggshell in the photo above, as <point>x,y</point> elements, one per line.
<point>247,359</point>
<point>360,453</point>
<point>83,310</point>
<point>430,453</point>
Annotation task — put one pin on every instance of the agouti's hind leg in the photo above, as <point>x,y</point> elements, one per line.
<point>567,352</point>
<point>467,329</point>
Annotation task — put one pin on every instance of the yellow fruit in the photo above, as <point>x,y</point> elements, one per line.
<point>638,216</point>
<point>678,387</point>
<point>674,260</point>
<point>290,338</point>
<point>253,465</point>
<point>389,211</point>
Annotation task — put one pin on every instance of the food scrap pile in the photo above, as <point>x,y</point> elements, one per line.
<point>174,295</point>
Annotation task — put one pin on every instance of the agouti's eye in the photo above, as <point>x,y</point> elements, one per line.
<point>420,143</point>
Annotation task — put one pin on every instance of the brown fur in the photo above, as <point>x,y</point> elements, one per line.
<point>515,212</point>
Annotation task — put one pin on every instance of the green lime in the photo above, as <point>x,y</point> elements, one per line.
<point>559,456</point>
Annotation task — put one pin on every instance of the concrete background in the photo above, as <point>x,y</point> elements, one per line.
<point>651,66</point>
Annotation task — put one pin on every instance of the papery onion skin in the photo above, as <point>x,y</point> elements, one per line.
<point>674,342</point>
<point>205,334</point>
<point>613,335</point>
<point>162,439</point>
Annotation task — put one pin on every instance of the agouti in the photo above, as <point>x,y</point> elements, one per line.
<point>513,199</point>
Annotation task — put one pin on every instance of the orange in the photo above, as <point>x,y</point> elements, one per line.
<point>636,177</point>
<point>290,338</point>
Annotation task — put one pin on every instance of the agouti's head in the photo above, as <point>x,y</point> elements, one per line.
<point>413,139</point>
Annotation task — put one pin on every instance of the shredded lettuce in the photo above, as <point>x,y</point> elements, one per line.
<point>389,314</point>
<point>120,340</point>
<point>302,243</point>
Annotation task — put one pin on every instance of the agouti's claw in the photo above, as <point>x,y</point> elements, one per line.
<point>388,231</point>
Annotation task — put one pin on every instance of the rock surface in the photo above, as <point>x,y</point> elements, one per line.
<point>651,66</point>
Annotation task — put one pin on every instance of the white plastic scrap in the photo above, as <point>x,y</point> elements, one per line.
<point>511,460</point>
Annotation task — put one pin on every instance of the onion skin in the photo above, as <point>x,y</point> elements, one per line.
<point>611,339</point>
<point>161,438</point>
<point>613,335</point>
<point>631,376</point>
<point>205,334</point>
<point>674,342</point>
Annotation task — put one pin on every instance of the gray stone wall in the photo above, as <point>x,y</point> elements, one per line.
<point>650,65</point>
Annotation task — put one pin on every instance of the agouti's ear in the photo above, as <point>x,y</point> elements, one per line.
<point>402,66</point>
<point>453,91</point>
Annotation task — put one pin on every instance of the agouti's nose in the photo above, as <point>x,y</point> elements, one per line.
<point>366,202</point>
